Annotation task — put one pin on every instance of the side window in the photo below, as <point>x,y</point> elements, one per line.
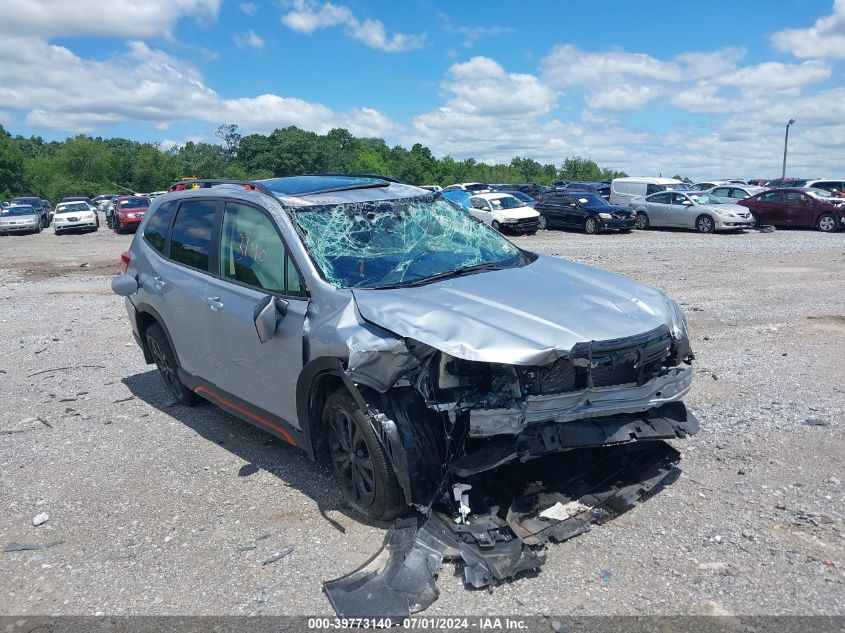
<point>791,197</point>
<point>253,253</point>
<point>722,192</point>
<point>677,198</point>
<point>653,189</point>
<point>190,238</point>
<point>661,198</point>
<point>157,226</point>
<point>569,201</point>
<point>739,194</point>
<point>772,196</point>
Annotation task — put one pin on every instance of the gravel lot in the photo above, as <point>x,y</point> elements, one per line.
<point>162,509</point>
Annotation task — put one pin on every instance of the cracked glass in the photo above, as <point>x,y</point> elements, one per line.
<point>398,242</point>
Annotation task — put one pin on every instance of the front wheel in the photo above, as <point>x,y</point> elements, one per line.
<point>168,366</point>
<point>496,226</point>
<point>360,464</point>
<point>826,223</point>
<point>705,224</point>
<point>40,227</point>
<point>541,222</point>
<point>642,220</point>
<point>591,226</point>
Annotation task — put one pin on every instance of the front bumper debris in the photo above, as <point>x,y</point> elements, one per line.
<point>517,512</point>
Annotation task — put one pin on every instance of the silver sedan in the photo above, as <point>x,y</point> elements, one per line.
<point>20,218</point>
<point>690,210</point>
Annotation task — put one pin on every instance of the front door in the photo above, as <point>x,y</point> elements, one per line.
<point>658,208</point>
<point>254,263</point>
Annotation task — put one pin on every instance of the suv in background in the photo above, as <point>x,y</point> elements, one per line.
<point>378,325</point>
<point>836,187</point>
<point>127,213</point>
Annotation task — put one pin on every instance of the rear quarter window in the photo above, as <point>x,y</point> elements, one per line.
<point>155,232</point>
<point>190,237</point>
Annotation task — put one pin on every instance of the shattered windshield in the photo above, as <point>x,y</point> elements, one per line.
<point>399,242</point>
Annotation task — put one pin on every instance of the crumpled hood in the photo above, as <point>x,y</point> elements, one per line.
<point>520,316</point>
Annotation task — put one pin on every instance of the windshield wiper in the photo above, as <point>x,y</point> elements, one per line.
<point>449,274</point>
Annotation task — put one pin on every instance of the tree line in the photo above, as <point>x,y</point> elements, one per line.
<point>84,165</point>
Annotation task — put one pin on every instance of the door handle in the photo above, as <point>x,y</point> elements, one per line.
<point>214,303</point>
<point>158,282</point>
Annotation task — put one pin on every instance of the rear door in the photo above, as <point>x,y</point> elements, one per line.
<point>174,283</point>
<point>551,206</point>
<point>253,262</point>
<point>657,207</point>
<point>769,207</point>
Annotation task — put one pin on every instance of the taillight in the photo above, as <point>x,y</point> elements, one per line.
<point>125,258</point>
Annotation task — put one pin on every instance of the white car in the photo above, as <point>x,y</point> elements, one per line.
<point>730,192</point>
<point>472,187</point>
<point>504,212</point>
<point>74,216</point>
<point>434,188</point>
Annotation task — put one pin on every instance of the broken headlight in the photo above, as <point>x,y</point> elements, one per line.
<point>680,330</point>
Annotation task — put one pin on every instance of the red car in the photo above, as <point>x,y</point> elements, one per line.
<point>128,212</point>
<point>797,206</point>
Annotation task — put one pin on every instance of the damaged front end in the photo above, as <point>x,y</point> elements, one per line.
<point>526,455</point>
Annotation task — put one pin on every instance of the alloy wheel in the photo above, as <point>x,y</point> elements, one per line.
<point>165,367</point>
<point>351,458</point>
<point>827,223</point>
<point>705,224</point>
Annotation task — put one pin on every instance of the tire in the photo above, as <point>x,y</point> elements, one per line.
<point>826,223</point>
<point>168,366</point>
<point>642,220</point>
<point>756,220</point>
<point>360,464</point>
<point>591,226</point>
<point>118,227</point>
<point>56,232</point>
<point>40,227</point>
<point>541,222</point>
<point>496,227</point>
<point>705,224</point>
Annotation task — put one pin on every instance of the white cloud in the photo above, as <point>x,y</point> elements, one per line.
<point>53,85</point>
<point>121,18</point>
<point>248,7</point>
<point>308,16</point>
<point>826,38</point>
<point>250,38</point>
<point>622,97</point>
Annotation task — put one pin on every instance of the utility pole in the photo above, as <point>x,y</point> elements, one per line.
<point>785,143</point>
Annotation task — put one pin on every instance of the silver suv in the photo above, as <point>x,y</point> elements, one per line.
<point>380,326</point>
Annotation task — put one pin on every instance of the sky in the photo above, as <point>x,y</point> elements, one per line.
<point>649,87</point>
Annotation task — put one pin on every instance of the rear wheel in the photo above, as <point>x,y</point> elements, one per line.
<point>541,222</point>
<point>360,464</point>
<point>591,226</point>
<point>826,223</point>
<point>642,220</point>
<point>167,365</point>
<point>705,224</point>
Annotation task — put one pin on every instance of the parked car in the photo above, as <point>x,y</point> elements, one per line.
<point>599,188</point>
<point>583,210</point>
<point>781,183</point>
<point>380,322</point>
<point>20,218</point>
<point>472,187</point>
<point>75,216</point>
<point>46,206</point>
<point>690,209</point>
<point>459,197</point>
<point>834,186</point>
<point>732,193</point>
<point>758,182</point>
<point>623,190</point>
<point>708,184</point>
<point>128,212</point>
<point>522,197</point>
<point>528,188</point>
<point>434,188</point>
<point>504,213</point>
<point>797,207</point>
<point>84,199</point>
<point>37,204</point>
<point>102,202</point>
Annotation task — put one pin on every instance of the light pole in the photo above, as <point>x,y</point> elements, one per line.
<point>785,143</point>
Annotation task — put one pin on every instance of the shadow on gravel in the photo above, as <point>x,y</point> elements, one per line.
<point>260,450</point>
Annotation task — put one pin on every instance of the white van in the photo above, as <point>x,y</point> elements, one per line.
<point>622,190</point>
